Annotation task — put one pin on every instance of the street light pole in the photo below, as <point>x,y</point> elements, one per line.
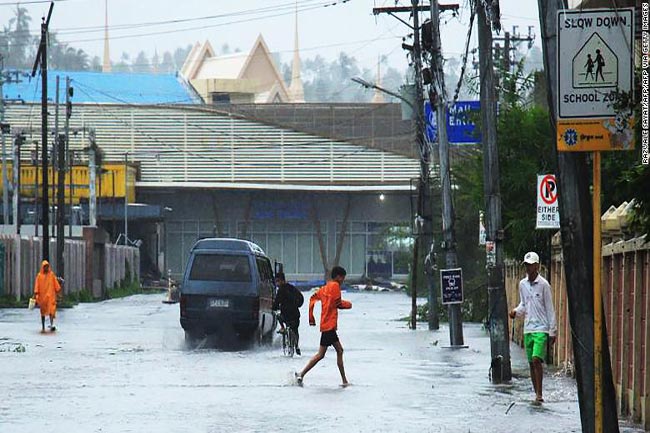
<point>418,108</point>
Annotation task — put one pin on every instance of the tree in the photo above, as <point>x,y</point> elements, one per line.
<point>16,43</point>
<point>64,57</point>
<point>180,54</point>
<point>141,63</point>
<point>123,65</point>
<point>155,62</point>
<point>167,65</point>
<point>525,143</point>
<point>96,64</point>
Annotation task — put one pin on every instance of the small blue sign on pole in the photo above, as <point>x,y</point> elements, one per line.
<point>460,127</point>
<point>451,285</point>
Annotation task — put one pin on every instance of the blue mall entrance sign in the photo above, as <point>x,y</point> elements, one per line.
<point>460,128</point>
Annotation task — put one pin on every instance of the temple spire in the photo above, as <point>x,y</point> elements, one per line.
<point>296,91</point>
<point>106,65</point>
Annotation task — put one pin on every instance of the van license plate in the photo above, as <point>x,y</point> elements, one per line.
<point>219,303</point>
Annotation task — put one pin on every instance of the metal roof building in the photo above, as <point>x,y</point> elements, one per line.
<point>308,200</point>
<point>112,88</point>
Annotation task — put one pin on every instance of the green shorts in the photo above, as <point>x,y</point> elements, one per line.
<point>535,344</point>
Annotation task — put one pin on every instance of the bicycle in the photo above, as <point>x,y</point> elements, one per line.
<point>289,340</point>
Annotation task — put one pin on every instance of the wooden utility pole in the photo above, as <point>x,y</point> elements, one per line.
<point>60,204</point>
<point>497,301</point>
<point>41,60</point>
<point>448,217</point>
<point>577,249</point>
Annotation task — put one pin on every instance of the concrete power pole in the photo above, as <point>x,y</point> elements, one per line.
<point>5,180</point>
<point>448,230</point>
<point>68,159</point>
<point>497,301</point>
<point>18,140</point>
<point>577,247</point>
<point>422,222</point>
<point>41,60</point>
<point>92,171</point>
<point>423,184</point>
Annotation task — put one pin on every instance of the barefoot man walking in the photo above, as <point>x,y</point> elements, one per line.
<point>540,328</point>
<point>330,297</point>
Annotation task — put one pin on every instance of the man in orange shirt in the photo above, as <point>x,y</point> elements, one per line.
<point>330,297</point>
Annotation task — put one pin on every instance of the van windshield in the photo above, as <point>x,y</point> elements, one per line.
<point>220,267</point>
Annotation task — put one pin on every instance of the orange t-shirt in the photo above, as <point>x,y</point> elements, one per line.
<point>330,297</point>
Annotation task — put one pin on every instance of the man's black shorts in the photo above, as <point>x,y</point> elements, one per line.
<point>328,338</point>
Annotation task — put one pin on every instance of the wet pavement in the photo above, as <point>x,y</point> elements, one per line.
<point>122,366</point>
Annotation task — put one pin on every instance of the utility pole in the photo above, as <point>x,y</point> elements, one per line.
<point>577,247</point>
<point>126,199</point>
<point>18,141</point>
<point>448,231</point>
<point>41,59</point>
<point>497,300</point>
<point>68,160</point>
<point>35,163</point>
<point>92,169</point>
<point>423,183</point>
<point>5,77</point>
<point>55,162</point>
<point>423,220</point>
<point>5,181</point>
<point>420,226</point>
<point>60,203</point>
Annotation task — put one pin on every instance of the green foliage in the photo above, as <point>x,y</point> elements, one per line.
<point>525,144</point>
<point>8,301</point>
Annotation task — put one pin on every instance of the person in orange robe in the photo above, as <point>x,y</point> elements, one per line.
<point>46,292</point>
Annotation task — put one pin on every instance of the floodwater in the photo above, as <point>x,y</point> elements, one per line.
<point>122,366</point>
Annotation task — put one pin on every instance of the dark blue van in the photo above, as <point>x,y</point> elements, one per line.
<point>227,289</point>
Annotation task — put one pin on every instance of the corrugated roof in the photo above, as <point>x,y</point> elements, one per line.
<point>112,88</point>
<point>197,146</point>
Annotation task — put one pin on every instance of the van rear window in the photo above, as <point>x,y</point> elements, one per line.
<point>219,267</point>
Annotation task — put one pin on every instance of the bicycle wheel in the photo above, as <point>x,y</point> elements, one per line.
<point>285,344</point>
<point>291,344</point>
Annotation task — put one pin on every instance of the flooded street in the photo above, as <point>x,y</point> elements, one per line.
<point>122,366</point>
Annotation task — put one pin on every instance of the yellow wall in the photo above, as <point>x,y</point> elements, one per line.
<point>81,180</point>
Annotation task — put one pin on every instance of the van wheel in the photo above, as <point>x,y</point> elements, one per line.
<point>264,339</point>
<point>192,338</point>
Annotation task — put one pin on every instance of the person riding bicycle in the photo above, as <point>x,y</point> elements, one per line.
<point>288,300</point>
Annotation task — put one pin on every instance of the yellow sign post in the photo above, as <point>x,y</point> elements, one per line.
<point>595,56</point>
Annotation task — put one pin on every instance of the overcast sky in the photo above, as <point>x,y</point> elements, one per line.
<point>324,30</point>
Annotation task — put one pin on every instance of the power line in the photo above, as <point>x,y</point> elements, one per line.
<point>268,12</point>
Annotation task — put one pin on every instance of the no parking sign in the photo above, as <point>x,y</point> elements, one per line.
<point>548,216</point>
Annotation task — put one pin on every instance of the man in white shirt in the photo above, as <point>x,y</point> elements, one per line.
<point>540,329</point>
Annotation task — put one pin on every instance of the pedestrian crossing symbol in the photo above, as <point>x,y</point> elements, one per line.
<point>595,65</point>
